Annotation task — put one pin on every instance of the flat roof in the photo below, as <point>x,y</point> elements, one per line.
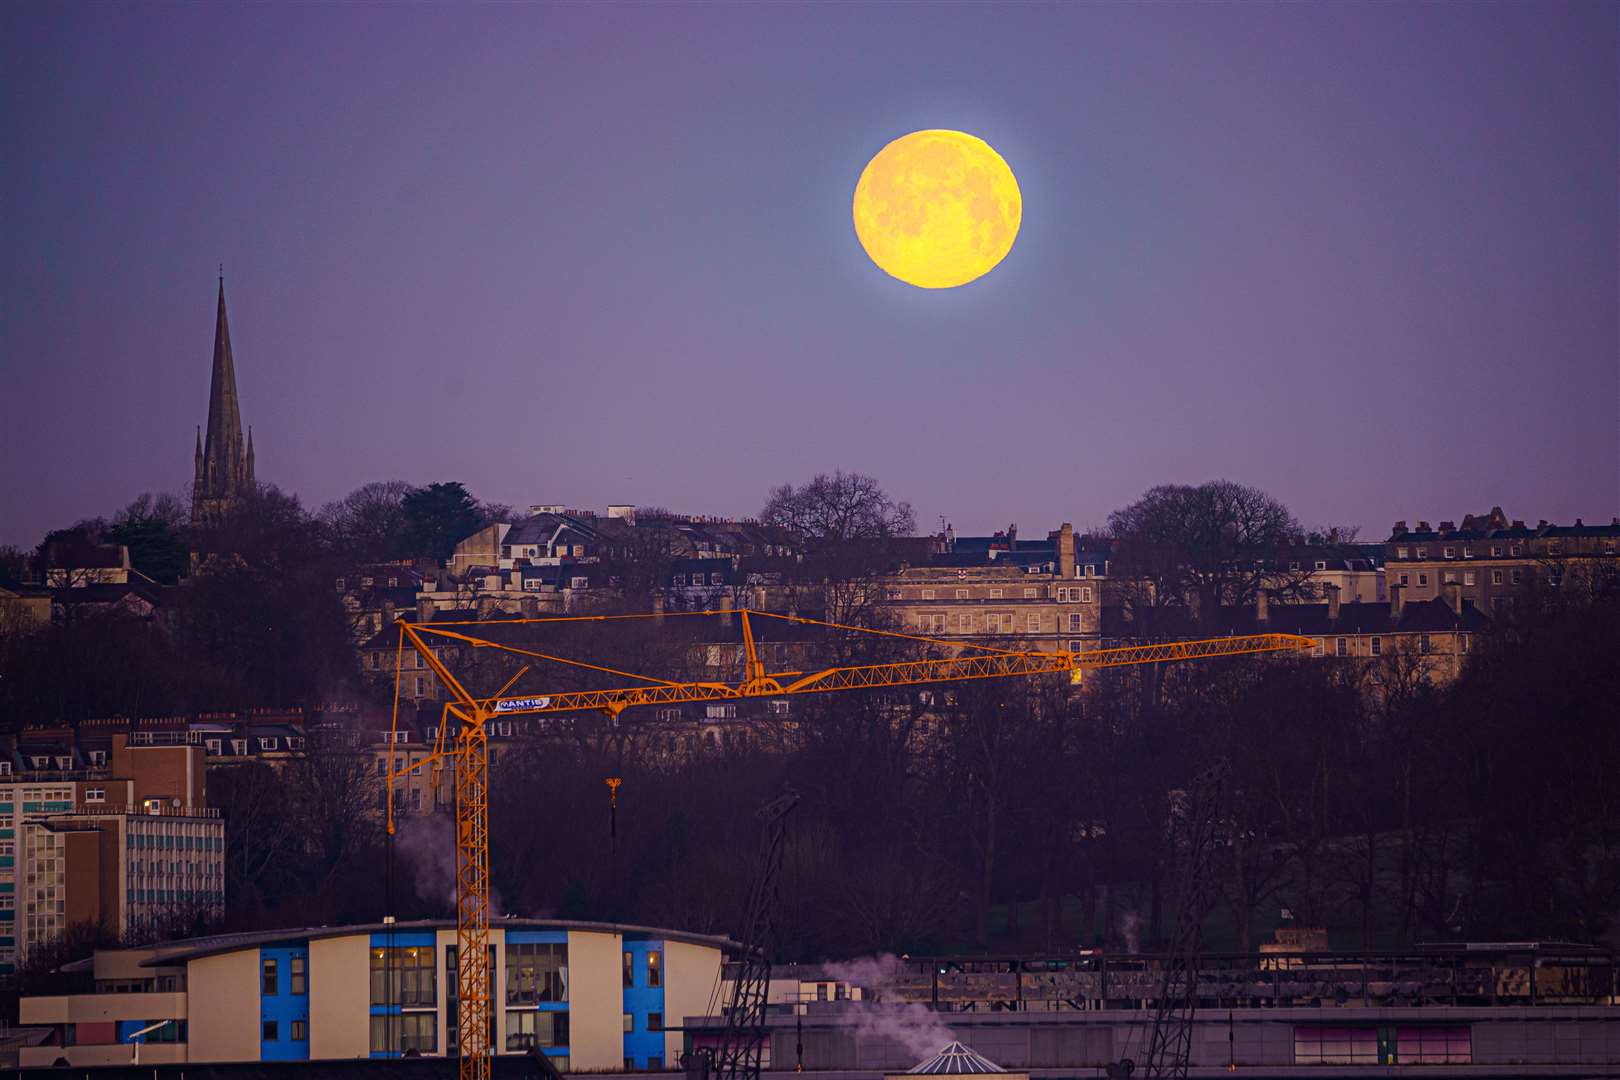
<point>167,953</point>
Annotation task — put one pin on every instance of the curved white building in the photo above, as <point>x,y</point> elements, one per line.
<point>591,996</point>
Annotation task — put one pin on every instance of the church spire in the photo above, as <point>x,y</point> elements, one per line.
<point>223,468</point>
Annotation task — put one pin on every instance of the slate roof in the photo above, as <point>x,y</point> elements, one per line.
<point>956,1060</point>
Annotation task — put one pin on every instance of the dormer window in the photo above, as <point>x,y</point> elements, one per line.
<point>64,763</point>
<point>213,745</point>
<point>295,742</point>
<point>1321,565</point>
<point>1450,551</point>
<point>1423,553</point>
<point>267,744</point>
<point>1402,552</point>
<point>98,757</point>
<point>40,761</point>
<point>365,582</point>
<point>342,584</point>
<point>239,746</point>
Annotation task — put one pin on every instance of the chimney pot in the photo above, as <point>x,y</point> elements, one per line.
<point>1423,526</point>
<point>1333,602</point>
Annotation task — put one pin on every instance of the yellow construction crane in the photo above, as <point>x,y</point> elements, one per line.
<point>466,748</point>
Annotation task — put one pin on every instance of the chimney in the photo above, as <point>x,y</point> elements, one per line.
<point>388,613</point>
<point>1333,602</point>
<point>1262,607</point>
<point>1453,593</point>
<point>1397,602</point>
<point>725,609</point>
<point>424,609</point>
<point>658,608</point>
<point>1400,528</point>
<point>1423,526</point>
<point>1065,551</point>
<point>529,606</point>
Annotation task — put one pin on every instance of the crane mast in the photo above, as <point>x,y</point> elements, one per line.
<point>466,752</point>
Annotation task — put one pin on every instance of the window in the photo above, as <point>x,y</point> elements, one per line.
<point>1401,553</point>
<point>629,1021</point>
<point>98,757</point>
<point>928,594</point>
<point>655,971</point>
<point>95,794</point>
<point>961,594</point>
<point>299,1031</point>
<point>1518,577</point>
<point>536,972</point>
<point>1030,594</point>
<point>402,975</point>
<point>529,1029</point>
<point>1468,552</point>
<point>1448,577</point>
<point>267,981</point>
<point>404,1032</point>
<point>1085,594</point>
<point>1378,646</point>
<point>1321,565</point>
<point>1423,644</point>
<point>1075,622</point>
<point>1423,579</point>
<point>1434,1045</point>
<point>1341,647</point>
<point>1335,1045</point>
<point>629,977</point>
<point>965,621</point>
<point>298,976</point>
<point>995,594</point>
<point>239,746</point>
<point>1496,577</point>
<point>1496,551</point>
<point>269,1032</point>
<point>1406,579</point>
<point>1462,642</point>
<point>1423,553</point>
<point>1450,552</point>
<point>1468,577</point>
<point>267,744</point>
<point>1032,624</point>
<point>213,745</point>
<point>655,1021</point>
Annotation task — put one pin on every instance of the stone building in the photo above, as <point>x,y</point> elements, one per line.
<point>1046,594</point>
<point>224,461</point>
<point>1489,558</point>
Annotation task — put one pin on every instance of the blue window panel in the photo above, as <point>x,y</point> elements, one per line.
<point>403,938</point>
<point>544,937</point>
<point>284,1006</point>
<point>640,999</point>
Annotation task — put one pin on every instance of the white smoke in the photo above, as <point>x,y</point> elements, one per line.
<point>1130,928</point>
<point>426,846</point>
<point>916,1027</point>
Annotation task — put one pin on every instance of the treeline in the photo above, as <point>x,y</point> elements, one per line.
<point>256,622</point>
<point>1024,815</point>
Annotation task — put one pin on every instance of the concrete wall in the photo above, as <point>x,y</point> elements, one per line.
<point>95,1008</point>
<point>223,998</point>
<point>691,973</point>
<point>595,1001</point>
<point>89,1056</point>
<point>339,997</point>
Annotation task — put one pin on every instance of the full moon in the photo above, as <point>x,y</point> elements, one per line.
<point>937,209</point>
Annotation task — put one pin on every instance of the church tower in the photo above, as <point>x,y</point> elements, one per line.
<point>224,463</point>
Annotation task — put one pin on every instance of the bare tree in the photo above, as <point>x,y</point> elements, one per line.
<point>369,523</point>
<point>849,530</point>
<point>1204,546</point>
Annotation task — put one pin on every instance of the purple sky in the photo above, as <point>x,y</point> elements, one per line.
<point>1362,256</point>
